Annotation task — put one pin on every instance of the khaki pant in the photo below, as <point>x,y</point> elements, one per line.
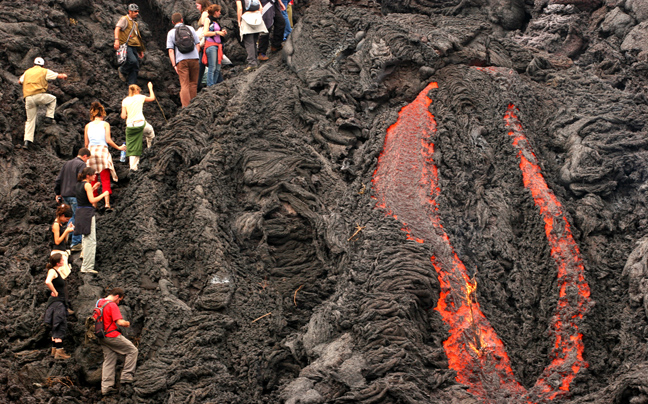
<point>112,347</point>
<point>188,70</point>
<point>31,106</point>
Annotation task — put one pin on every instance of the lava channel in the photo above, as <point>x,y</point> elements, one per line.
<point>574,293</point>
<point>406,186</point>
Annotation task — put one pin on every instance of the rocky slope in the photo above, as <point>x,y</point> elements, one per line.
<point>259,263</point>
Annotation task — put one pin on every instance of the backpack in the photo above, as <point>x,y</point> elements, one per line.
<point>251,3</point>
<point>184,39</point>
<point>94,324</point>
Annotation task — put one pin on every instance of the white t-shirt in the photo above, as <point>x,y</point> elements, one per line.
<point>133,107</point>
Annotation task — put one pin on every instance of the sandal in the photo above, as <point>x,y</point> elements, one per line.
<point>109,209</point>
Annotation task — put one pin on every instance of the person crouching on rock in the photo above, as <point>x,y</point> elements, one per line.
<point>97,139</point>
<point>85,216</point>
<point>115,344</point>
<point>56,310</point>
<point>136,125</point>
<point>61,230</point>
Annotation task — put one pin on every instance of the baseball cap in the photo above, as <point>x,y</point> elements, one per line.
<point>39,61</point>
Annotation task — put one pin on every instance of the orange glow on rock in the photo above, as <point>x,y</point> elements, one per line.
<point>405,183</point>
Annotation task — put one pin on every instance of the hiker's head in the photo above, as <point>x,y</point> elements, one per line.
<point>84,154</point>
<point>55,260</point>
<point>64,212</point>
<point>117,293</point>
<point>39,61</point>
<point>134,89</point>
<point>213,10</point>
<point>97,110</point>
<point>176,18</point>
<point>202,5</point>
<point>133,10</point>
<point>86,173</point>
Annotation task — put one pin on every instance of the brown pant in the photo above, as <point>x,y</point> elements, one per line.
<point>188,73</point>
<point>112,347</point>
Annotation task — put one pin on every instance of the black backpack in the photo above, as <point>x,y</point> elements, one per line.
<point>184,39</point>
<point>94,324</point>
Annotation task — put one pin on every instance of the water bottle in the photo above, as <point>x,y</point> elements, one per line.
<point>122,157</point>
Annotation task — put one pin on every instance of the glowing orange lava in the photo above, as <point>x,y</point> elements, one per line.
<point>406,185</point>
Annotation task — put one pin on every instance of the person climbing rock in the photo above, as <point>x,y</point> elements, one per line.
<point>184,57</point>
<point>127,32</point>
<point>97,138</point>
<point>136,125</point>
<point>61,229</point>
<point>85,216</point>
<point>274,21</point>
<point>250,21</point>
<point>65,188</point>
<point>115,344</point>
<point>34,82</point>
<point>213,50</point>
<point>56,309</point>
<point>202,6</point>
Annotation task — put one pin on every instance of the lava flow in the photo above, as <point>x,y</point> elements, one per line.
<point>574,293</point>
<point>406,185</point>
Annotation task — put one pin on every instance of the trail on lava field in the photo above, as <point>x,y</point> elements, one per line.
<point>406,186</point>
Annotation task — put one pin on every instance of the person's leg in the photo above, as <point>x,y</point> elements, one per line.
<point>133,162</point>
<point>194,68</point>
<point>89,249</point>
<point>249,41</point>
<point>109,364</point>
<point>278,28</point>
<point>288,29</point>
<point>131,67</point>
<point>183,76</point>
<point>212,59</point>
<point>149,134</point>
<point>72,201</point>
<point>30,125</point>
<point>50,101</point>
<point>201,72</point>
<point>264,41</point>
<point>130,362</point>
<point>105,185</point>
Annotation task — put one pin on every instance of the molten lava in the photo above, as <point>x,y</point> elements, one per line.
<point>406,185</point>
<point>568,349</point>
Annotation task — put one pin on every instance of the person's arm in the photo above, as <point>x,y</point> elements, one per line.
<point>206,31</point>
<point>85,136</point>
<point>58,237</point>
<point>239,12</point>
<point>151,97</point>
<point>123,323</point>
<point>116,36</point>
<point>21,79</point>
<point>94,199</point>
<point>51,274</point>
<point>109,139</point>
<point>282,7</point>
<point>172,57</point>
<point>124,114</point>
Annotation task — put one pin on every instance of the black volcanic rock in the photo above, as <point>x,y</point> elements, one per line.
<point>257,266</point>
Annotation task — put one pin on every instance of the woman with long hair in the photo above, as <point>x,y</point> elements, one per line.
<point>136,126</point>
<point>61,230</point>
<point>85,216</point>
<point>97,138</point>
<point>56,309</point>
<point>213,50</point>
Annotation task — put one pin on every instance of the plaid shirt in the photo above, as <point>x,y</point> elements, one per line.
<point>101,159</point>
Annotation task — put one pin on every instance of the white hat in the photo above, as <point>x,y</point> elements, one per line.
<point>39,61</point>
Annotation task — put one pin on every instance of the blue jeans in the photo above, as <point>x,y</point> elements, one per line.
<point>72,201</point>
<point>288,29</point>
<point>131,67</point>
<point>213,65</point>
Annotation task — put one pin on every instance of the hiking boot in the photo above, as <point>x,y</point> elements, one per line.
<point>262,57</point>
<point>49,120</point>
<point>127,381</point>
<point>70,312</point>
<point>273,49</point>
<point>89,271</point>
<point>59,353</point>
<point>249,69</point>
<point>76,248</point>
<point>28,145</point>
<point>122,76</point>
<point>109,391</point>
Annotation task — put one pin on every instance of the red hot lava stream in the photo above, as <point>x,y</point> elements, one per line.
<point>406,185</point>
